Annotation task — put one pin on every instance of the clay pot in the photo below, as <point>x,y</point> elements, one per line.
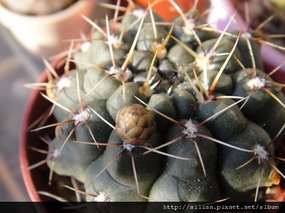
<point>44,35</point>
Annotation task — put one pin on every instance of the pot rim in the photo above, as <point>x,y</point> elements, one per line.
<point>48,18</point>
<point>26,174</point>
<point>24,129</point>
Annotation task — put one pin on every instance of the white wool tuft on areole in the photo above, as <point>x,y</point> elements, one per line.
<point>189,26</point>
<point>256,83</point>
<point>64,82</point>
<point>82,117</point>
<point>114,41</point>
<point>191,129</point>
<point>101,197</point>
<point>139,12</point>
<point>85,46</point>
<point>260,153</point>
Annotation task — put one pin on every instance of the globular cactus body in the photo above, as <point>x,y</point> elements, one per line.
<point>183,121</point>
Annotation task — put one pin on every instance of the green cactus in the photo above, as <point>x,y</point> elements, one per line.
<point>166,112</point>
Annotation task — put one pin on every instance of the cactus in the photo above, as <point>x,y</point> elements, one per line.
<point>164,111</point>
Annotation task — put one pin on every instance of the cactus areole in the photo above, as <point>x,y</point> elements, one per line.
<point>164,111</point>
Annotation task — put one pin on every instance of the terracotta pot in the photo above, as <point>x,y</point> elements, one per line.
<point>44,35</point>
<point>220,13</point>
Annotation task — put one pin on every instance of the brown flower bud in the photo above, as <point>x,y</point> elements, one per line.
<point>135,124</point>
